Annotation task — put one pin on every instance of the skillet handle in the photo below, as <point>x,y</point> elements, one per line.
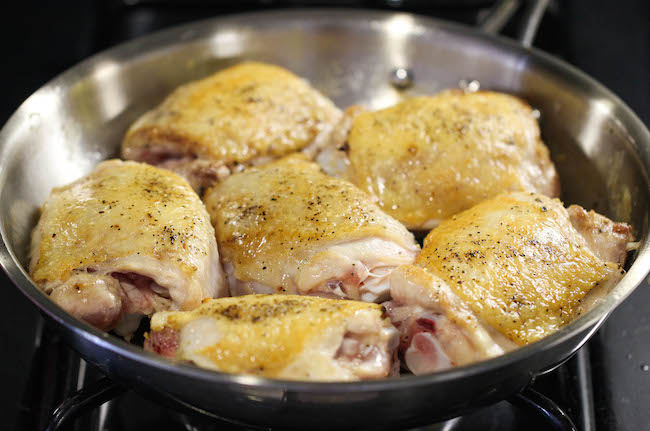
<point>503,10</point>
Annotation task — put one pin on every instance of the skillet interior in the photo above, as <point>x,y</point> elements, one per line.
<point>601,149</point>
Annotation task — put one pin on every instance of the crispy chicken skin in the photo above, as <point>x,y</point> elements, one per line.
<point>428,158</point>
<point>521,263</point>
<point>288,228</point>
<point>248,113</point>
<point>128,239</point>
<point>281,336</point>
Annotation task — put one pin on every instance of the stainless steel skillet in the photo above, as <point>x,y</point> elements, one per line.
<point>601,148</point>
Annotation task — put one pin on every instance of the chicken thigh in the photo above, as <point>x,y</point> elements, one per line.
<point>281,336</point>
<point>518,267</point>
<point>428,158</point>
<point>125,241</point>
<point>246,114</point>
<point>287,228</point>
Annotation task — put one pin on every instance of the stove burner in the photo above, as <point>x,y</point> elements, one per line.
<point>83,401</point>
<point>101,391</point>
<point>533,401</point>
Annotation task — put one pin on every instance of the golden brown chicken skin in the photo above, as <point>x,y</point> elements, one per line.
<point>245,114</point>
<point>124,241</point>
<point>523,264</point>
<point>281,336</point>
<point>428,158</point>
<point>288,228</point>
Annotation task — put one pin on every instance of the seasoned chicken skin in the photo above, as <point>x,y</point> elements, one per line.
<point>248,113</point>
<point>288,228</point>
<point>281,336</point>
<point>521,263</point>
<point>428,158</point>
<point>128,239</point>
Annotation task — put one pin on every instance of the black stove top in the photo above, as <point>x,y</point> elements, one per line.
<point>606,386</point>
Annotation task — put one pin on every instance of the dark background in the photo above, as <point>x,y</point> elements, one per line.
<point>610,40</point>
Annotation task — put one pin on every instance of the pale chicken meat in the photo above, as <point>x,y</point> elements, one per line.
<point>518,267</point>
<point>288,228</point>
<point>249,113</point>
<point>438,330</point>
<point>428,158</point>
<point>281,336</point>
<point>125,241</point>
